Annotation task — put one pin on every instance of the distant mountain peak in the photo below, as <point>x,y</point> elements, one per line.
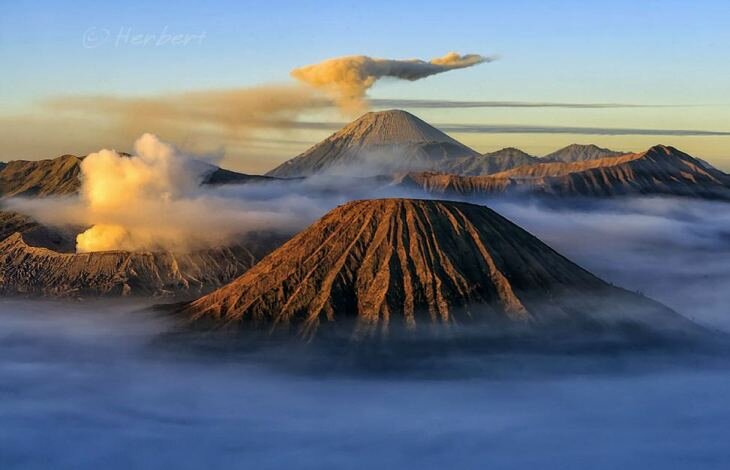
<point>392,127</point>
<point>380,141</point>
<point>663,150</point>
<point>585,146</point>
<point>50,177</point>
<point>513,151</point>
<point>685,162</point>
<point>60,176</point>
<point>582,152</point>
<point>486,164</point>
<point>660,170</point>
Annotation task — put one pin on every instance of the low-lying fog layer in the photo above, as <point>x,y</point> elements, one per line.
<point>676,251</point>
<point>88,386</point>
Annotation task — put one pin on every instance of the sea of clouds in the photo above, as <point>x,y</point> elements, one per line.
<point>93,385</point>
<point>100,384</point>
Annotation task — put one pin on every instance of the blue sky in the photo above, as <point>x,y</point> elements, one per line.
<point>649,52</point>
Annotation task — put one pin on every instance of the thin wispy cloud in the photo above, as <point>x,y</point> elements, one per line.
<point>237,112</point>
<point>520,129</point>
<point>447,104</point>
<point>535,129</point>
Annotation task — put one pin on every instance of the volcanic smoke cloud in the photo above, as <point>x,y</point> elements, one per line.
<point>204,119</point>
<point>154,200</point>
<point>225,113</point>
<point>113,185</point>
<point>347,79</point>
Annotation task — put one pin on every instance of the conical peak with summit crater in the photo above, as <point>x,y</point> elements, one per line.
<point>384,263</point>
<point>394,126</point>
<point>377,142</point>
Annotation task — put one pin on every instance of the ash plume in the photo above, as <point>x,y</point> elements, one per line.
<point>347,79</point>
<point>228,113</point>
<point>237,117</point>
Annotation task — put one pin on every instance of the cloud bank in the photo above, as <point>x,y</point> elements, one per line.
<point>577,130</point>
<point>92,384</point>
<point>347,79</point>
<point>456,104</point>
<point>673,250</point>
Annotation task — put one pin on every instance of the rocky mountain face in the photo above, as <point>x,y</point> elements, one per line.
<point>581,153</point>
<point>38,271</point>
<point>60,177</point>
<point>377,142</point>
<point>430,182</point>
<point>487,164</point>
<point>661,170</point>
<point>372,265</point>
<point>55,177</point>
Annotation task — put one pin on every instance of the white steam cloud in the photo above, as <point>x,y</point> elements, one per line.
<point>154,200</point>
<point>117,189</point>
<point>347,79</point>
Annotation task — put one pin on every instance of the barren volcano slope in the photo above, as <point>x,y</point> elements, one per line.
<point>54,177</point>
<point>37,271</point>
<point>380,142</point>
<point>660,170</point>
<point>400,262</point>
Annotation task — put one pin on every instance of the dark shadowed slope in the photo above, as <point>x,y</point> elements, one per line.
<point>580,153</point>
<point>36,234</point>
<point>222,176</point>
<point>379,142</point>
<point>406,263</point>
<point>660,170</point>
